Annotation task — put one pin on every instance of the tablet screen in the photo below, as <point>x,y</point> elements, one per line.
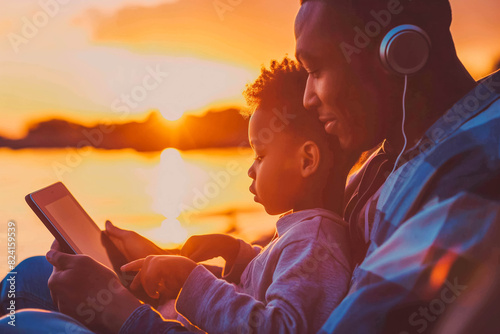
<point>77,228</point>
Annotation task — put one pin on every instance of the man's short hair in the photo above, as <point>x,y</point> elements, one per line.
<point>428,14</point>
<point>279,90</point>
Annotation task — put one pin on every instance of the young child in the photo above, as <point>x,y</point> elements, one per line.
<point>294,283</point>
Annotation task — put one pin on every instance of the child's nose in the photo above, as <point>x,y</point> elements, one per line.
<point>251,172</point>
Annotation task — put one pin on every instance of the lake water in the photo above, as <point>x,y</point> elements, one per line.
<point>165,196</point>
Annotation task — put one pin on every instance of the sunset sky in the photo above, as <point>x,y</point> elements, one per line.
<point>172,55</point>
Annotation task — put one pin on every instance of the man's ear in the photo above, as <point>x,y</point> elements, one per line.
<point>309,158</point>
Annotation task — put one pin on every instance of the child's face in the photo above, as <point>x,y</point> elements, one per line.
<point>276,175</point>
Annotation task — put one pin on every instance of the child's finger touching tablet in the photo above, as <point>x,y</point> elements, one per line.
<point>133,266</point>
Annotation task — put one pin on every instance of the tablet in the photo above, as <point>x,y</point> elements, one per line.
<point>72,226</point>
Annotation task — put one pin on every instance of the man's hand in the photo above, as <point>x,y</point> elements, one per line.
<point>205,247</point>
<point>131,244</point>
<point>162,277</point>
<point>89,292</point>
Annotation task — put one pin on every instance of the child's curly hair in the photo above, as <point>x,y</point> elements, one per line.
<point>280,84</point>
<point>281,88</point>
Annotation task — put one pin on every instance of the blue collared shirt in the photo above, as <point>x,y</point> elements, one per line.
<point>431,224</point>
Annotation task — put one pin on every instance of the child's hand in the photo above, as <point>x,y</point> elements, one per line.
<point>160,275</point>
<point>205,247</point>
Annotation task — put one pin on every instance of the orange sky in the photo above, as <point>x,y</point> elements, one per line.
<point>81,61</point>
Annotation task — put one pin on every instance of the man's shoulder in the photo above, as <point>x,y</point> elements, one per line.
<point>476,143</point>
<point>459,154</point>
<point>468,133</point>
<point>479,108</point>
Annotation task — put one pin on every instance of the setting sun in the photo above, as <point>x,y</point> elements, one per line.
<point>172,114</point>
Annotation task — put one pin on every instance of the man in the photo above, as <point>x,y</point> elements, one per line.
<point>435,219</point>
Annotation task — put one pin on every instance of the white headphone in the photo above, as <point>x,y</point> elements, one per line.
<point>405,49</point>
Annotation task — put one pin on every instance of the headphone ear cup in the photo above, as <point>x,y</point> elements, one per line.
<point>405,49</point>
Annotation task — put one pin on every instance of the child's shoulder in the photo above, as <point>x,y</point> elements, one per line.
<point>312,225</point>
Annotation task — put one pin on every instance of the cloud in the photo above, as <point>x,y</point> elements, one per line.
<point>26,7</point>
<point>113,5</point>
<point>95,81</point>
<point>14,13</point>
<point>249,33</point>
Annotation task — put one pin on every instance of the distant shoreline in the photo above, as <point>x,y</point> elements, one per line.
<point>215,129</point>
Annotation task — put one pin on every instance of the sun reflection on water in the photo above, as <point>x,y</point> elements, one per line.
<point>170,232</point>
<point>171,188</point>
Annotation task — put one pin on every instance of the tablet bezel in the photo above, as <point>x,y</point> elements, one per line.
<point>38,201</point>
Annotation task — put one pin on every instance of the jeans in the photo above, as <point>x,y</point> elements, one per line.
<point>31,288</point>
<point>35,311</point>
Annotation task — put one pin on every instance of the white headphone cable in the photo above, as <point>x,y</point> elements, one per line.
<point>403,125</point>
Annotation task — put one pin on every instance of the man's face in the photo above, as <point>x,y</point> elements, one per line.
<point>350,98</point>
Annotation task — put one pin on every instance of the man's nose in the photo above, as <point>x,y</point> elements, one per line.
<point>311,100</point>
